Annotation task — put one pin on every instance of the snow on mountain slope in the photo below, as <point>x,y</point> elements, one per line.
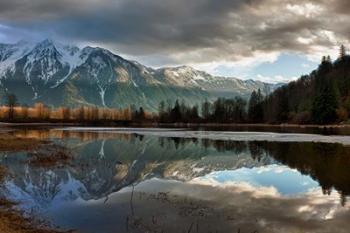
<point>186,76</point>
<point>47,58</point>
<point>10,53</point>
<point>41,61</point>
<point>182,76</point>
<point>52,72</point>
<point>71,56</point>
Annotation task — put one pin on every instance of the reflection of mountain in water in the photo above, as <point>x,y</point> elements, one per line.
<point>103,164</point>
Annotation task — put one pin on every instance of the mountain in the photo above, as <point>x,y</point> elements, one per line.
<point>65,75</point>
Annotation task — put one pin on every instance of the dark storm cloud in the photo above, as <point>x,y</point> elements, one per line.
<point>194,31</point>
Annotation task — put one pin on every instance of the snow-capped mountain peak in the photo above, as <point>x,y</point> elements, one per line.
<point>10,53</point>
<point>61,74</point>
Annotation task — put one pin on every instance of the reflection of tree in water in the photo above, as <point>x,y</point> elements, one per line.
<point>328,163</point>
<point>119,160</point>
<point>225,145</point>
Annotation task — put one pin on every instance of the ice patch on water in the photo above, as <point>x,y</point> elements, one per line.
<point>221,135</point>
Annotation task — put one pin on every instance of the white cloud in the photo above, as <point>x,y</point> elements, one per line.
<point>240,67</point>
<point>304,40</point>
<point>275,78</point>
<point>308,9</point>
<point>224,38</point>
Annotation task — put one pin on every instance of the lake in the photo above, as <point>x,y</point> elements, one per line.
<point>109,180</point>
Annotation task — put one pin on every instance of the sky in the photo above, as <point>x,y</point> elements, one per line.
<point>267,40</point>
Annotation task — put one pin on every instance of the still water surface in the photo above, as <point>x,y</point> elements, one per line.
<point>168,180</point>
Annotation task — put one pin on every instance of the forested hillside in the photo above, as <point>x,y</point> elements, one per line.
<point>321,97</point>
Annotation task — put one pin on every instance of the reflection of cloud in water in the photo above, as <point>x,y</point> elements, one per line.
<point>224,208</point>
<point>225,185</point>
<point>281,178</point>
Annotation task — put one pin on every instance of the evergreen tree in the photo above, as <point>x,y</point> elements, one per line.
<point>219,113</point>
<point>325,104</point>
<point>194,116</point>
<point>329,59</point>
<point>282,108</point>
<point>239,110</point>
<point>175,114</point>
<point>342,52</point>
<point>206,110</point>
<point>255,108</point>
<point>142,114</point>
<point>161,111</point>
<point>253,101</point>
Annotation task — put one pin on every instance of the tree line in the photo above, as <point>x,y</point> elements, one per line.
<point>221,110</point>
<point>322,97</point>
<point>12,111</point>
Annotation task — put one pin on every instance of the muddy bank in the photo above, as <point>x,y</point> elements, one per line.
<point>12,221</point>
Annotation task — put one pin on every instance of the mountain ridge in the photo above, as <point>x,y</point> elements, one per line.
<point>65,75</point>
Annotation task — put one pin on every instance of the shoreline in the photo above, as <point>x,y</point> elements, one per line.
<point>176,125</point>
<point>13,221</point>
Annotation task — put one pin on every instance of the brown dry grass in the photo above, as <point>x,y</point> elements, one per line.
<point>11,221</point>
